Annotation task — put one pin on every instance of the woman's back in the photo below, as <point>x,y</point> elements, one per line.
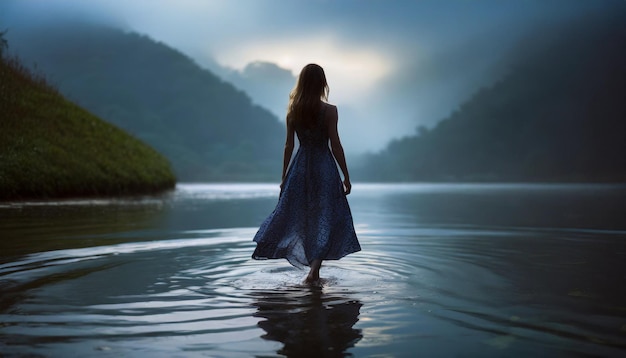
<point>313,133</point>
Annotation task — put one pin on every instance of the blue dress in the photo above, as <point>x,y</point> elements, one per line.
<point>312,219</point>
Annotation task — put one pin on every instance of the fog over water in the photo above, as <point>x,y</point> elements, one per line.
<point>392,66</point>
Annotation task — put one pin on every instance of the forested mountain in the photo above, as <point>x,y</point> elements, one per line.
<point>50,147</point>
<point>559,115</point>
<point>208,129</point>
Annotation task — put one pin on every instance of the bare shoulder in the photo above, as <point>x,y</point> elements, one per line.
<point>330,106</point>
<point>331,111</point>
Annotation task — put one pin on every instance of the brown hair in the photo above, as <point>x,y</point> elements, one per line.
<point>304,99</point>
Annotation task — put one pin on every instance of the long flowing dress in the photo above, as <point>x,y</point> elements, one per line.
<point>312,219</point>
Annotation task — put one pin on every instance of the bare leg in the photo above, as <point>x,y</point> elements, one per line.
<point>314,272</point>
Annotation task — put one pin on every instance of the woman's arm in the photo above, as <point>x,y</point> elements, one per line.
<point>332,117</point>
<point>289,144</point>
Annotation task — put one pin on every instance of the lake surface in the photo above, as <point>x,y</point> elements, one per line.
<point>446,270</point>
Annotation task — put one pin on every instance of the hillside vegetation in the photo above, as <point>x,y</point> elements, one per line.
<point>208,129</point>
<point>50,147</point>
<point>560,115</point>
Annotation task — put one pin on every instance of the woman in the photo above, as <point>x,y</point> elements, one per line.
<point>312,220</point>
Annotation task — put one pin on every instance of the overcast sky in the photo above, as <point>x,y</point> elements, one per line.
<point>391,65</point>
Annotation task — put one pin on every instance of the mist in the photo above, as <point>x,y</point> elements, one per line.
<point>391,67</point>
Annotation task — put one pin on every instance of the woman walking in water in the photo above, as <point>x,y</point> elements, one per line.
<point>312,221</point>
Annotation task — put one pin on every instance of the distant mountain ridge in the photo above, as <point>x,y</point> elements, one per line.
<point>266,83</point>
<point>207,128</point>
<point>560,115</point>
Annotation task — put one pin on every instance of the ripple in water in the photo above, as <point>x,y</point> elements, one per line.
<point>164,297</point>
<point>416,288</point>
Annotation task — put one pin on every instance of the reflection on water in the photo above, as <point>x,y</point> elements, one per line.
<point>35,226</point>
<point>446,270</point>
<point>308,322</point>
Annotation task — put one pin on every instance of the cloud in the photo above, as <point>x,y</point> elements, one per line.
<point>351,70</point>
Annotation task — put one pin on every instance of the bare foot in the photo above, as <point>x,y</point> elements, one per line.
<point>312,279</point>
<point>313,283</point>
<point>314,273</point>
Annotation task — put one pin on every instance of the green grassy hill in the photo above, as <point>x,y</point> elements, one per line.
<point>209,130</point>
<point>50,147</point>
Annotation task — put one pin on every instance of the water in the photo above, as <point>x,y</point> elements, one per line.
<point>446,270</point>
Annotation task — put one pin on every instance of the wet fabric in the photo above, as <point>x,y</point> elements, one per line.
<point>312,219</point>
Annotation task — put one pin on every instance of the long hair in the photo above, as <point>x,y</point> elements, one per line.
<point>304,99</point>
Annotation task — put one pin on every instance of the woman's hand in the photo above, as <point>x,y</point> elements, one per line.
<point>347,186</point>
